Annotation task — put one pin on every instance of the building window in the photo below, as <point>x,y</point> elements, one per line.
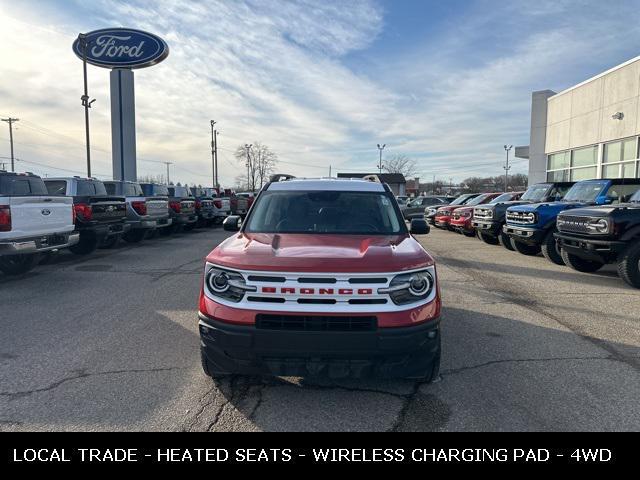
<point>583,173</point>
<point>621,151</point>
<point>558,176</point>
<point>559,160</point>
<point>584,157</point>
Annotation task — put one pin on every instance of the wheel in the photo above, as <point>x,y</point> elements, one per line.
<point>550,249</point>
<point>505,241</point>
<point>110,242</point>
<point>166,231</point>
<point>629,265</point>
<point>487,238</point>
<point>87,244</point>
<point>151,234</point>
<point>18,264</point>
<point>523,248</point>
<point>134,236</point>
<point>469,234</point>
<point>189,227</point>
<point>580,264</point>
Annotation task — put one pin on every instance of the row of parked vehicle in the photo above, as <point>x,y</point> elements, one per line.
<point>39,216</point>
<point>584,225</point>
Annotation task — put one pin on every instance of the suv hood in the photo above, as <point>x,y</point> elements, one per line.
<point>535,207</point>
<point>600,211</point>
<point>320,253</point>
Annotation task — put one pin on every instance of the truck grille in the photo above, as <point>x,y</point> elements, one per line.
<point>482,213</point>
<point>312,323</point>
<point>519,217</point>
<point>574,224</point>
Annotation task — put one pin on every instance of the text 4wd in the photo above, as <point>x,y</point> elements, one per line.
<point>323,278</point>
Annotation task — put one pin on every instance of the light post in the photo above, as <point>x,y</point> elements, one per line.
<point>507,148</point>
<point>248,148</point>
<point>86,103</point>
<point>380,148</point>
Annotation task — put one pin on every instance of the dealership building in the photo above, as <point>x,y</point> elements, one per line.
<point>590,130</point>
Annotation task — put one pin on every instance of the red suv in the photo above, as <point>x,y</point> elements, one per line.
<point>461,217</point>
<point>322,278</point>
<point>443,214</point>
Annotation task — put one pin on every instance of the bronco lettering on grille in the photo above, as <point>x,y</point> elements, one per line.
<point>317,291</point>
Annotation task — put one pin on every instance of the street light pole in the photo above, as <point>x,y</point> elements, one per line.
<point>86,103</point>
<point>247,148</point>
<point>507,148</point>
<point>380,148</point>
<point>213,155</point>
<point>11,121</point>
<point>167,164</point>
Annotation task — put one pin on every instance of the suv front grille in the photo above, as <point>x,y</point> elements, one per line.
<point>519,217</point>
<point>313,323</point>
<point>482,213</point>
<point>574,224</point>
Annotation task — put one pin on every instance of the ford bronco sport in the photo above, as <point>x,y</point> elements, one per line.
<point>322,278</point>
<point>591,237</point>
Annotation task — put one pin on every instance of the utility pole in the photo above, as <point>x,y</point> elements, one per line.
<point>380,148</point>
<point>507,168</point>
<point>433,186</point>
<point>167,164</point>
<point>213,155</point>
<point>329,171</point>
<point>247,148</point>
<point>86,103</point>
<point>11,121</point>
<point>215,151</point>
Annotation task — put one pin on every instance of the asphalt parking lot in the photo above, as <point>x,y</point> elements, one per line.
<point>109,342</point>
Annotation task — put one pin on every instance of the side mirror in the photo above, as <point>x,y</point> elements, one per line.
<point>232,223</point>
<point>419,227</point>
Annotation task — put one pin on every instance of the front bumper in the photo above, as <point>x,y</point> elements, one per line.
<point>41,244</point>
<point>489,227</point>
<point>442,222</point>
<point>528,235</point>
<point>405,352</point>
<point>462,226</point>
<point>605,251</point>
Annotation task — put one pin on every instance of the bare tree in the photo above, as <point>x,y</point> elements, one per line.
<point>401,163</point>
<point>260,163</point>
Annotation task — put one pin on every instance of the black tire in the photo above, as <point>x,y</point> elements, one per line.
<point>550,249</point>
<point>629,264</point>
<point>87,244</point>
<point>166,231</point>
<point>151,234</point>
<point>580,264</point>
<point>110,242</point>
<point>189,227</point>
<point>488,239</point>
<point>134,236</point>
<point>469,234</point>
<point>505,241</point>
<point>524,249</point>
<point>18,264</point>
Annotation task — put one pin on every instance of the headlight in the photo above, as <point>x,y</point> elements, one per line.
<point>529,217</point>
<point>410,287</point>
<point>225,284</point>
<point>598,226</point>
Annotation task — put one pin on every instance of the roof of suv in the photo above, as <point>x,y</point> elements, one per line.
<point>327,184</point>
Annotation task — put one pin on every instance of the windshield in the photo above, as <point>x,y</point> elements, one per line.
<point>461,200</point>
<point>505,197</point>
<point>584,192</point>
<point>536,193</point>
<point>356,213</point>
<point>635,198</point>
<point>477,200</point>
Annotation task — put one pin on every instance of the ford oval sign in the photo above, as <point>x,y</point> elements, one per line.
<point>122,48</point>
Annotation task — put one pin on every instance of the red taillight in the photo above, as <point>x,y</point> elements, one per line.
<point>5,218</point>
<point>140,207</point>
<point>83,211</point>
<point>175,206</point>
<point>198,204</point>
<point>73,216</point>
<point>217,203</point>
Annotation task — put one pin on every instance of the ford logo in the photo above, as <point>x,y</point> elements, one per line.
<point>45,212</point>
<point>122,48</point>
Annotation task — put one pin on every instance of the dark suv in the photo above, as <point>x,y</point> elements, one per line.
<point>591,237</point>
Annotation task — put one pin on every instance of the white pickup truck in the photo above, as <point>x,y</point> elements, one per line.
<point>31,222</point>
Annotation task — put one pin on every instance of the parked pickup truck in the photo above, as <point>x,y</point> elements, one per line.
<point>239,205</point>
<point>222,205</point>
<point>182,206</point>
<point>591,237</point>
<point>532,227</point>
<point>323,278</point>
<point>31,222</point>
<point>461,217</point>
<point>145,214</point>
<point>488,220</point>
<point>205,209</point>
<point>100,219</point>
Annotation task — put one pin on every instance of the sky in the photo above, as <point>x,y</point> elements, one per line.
<point>321,82</point>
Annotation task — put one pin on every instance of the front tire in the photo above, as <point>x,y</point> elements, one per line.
<point>18,264</point>
<point>505,241</point>
<point>550,249</point>
<point>524,249</point>
<point>629,265</point>
<point>488,239</point>
<point>580,264</point>
<point>110,242</point>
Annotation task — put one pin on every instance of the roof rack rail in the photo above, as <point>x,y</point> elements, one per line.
<point>280,177</point>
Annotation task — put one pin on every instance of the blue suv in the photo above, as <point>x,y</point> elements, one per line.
<point>532,227</point>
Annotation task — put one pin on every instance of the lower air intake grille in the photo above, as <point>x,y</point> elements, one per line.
<point>309,323</point>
